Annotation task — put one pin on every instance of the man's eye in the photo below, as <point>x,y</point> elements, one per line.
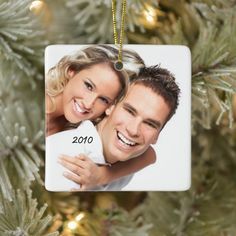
<point>129,111</point>
<point>88,86</point>
<point>152,125</point>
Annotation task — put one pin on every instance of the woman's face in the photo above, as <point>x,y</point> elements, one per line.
<point>89,93</point>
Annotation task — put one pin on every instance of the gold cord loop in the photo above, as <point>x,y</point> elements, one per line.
<point>119,64</point>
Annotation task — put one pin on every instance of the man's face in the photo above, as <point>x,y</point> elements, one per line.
<point>133,124</point>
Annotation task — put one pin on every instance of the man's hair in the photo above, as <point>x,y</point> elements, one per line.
<point>162,82</point>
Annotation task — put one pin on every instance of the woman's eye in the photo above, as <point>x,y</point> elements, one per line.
<point>88,86</point>
<point>104,100</point>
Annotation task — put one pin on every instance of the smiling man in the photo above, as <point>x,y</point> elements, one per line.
<point>132,125</point>
<point>135,123</point>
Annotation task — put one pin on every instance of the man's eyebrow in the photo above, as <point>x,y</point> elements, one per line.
<point>128,106</point>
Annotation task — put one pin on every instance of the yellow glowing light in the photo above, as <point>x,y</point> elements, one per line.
<point>150,14</point>
<point>36,6</point>
<point>40,8</point>
<point>72,225</point>
<point>79,217</point>
<point>149,18</point>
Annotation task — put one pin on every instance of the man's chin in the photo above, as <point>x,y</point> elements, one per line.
<point>116,157</point>
<point>126,157</point>
<point>122,155</point>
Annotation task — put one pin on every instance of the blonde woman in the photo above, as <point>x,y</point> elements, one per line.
<point>81,87</point>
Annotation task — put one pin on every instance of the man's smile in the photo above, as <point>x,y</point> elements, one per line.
<point>125,140</point>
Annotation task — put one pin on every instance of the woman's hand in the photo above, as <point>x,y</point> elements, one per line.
<point>85,171</point>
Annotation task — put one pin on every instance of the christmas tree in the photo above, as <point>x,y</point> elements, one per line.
<point>209,208</point>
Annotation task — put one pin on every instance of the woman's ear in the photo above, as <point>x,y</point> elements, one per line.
<point>71,73</point>
<point>109,110</point>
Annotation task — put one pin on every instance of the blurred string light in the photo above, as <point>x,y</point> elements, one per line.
<point>149,16</point>
<point>40,8</point>
<point>36,6</point>
<point>79,217</point>
<point>74,224</point>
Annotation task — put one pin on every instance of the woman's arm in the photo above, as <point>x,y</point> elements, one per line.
<point>88,174</point>
<point>120,169</point>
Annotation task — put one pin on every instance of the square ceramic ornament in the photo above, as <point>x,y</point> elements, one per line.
<point>118,125</point>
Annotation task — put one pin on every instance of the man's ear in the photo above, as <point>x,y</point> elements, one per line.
<point>109,110</point>
<point>155,139</point>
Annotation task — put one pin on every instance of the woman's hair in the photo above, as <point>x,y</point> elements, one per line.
<point>58,76</point>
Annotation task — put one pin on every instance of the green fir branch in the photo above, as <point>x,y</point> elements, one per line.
<point>115,221</point>
<point>20,43</point>
<point>200,211</point>
<point>21,141</point>
<point>22,217</point>
<point>95,18</point>
<point>214,66</point>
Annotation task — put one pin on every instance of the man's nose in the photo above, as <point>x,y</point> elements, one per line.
<point>89,101</point>
<point>133,128</point>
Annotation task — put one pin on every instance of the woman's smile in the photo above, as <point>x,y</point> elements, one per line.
<point>79,110</point>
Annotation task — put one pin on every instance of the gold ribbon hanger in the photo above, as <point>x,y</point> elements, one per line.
<point>118,64</point>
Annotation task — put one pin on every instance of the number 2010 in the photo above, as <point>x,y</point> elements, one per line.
<point>81,139</point>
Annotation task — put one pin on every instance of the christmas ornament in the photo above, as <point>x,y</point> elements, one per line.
<point>86,153</point>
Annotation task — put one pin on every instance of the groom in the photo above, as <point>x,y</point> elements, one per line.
<point>135,123</point>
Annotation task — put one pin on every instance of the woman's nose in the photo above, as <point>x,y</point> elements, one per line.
<point>89,101</point>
